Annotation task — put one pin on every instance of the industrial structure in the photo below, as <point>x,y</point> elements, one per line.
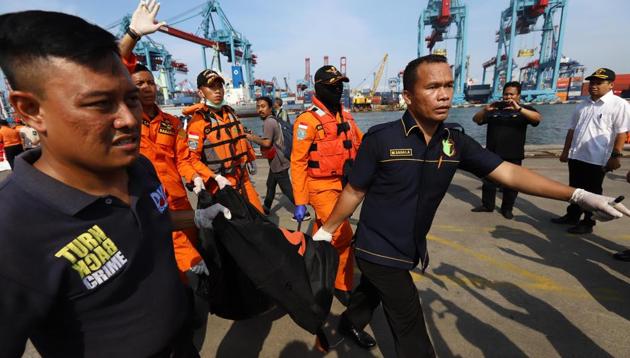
<point>518,19</point>
<point>362,102</point>
<point>439,15</point>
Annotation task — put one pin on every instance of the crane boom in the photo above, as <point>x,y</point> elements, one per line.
<point>378,75</point>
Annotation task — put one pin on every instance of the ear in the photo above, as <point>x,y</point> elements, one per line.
<point>407,97</point>
<point>28,106</point>
<point>200,93</point>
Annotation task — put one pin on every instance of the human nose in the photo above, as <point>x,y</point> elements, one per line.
<point>127,117</point>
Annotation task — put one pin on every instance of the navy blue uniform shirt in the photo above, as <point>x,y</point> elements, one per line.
<point>82,275</point>
<point>405,180</point>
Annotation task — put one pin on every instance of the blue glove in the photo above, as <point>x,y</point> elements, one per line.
<point>300,212</point>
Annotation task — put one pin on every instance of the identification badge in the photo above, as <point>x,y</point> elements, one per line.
<point>401,152</point>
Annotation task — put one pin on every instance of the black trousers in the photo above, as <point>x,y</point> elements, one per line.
<point>401,303</point>
<point>282,179</point>
<point>12,152</point>
<point>589,177</point>
<point>489,192</point>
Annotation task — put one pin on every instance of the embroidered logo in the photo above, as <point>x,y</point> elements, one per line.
<point>407,152</point>
<point>448,147</point>
<point>193,141</point>
<point>94,256</point>
<point>159,199</point>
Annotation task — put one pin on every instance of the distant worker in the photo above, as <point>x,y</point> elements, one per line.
<point>216,137</point>
<point>272,146</point>
<point>594,144</point>
<point>507,122</point>
<point>325,143</point>
<point>10,138</point>
<point>281,113</point>
<point>624,255</point>
<point>164,142</point>
<point>29,137</point>
<point>403,170</point>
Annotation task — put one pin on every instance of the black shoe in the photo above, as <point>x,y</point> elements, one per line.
<point>565,220</point>
<point>580,229</point>
<point>622,255</point>
<point>481,209</point>
<point>507,214</point>
<point>343,297</point>
<point>362,338</point>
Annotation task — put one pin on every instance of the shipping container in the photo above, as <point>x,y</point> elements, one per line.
<point>562,96</point>
<point>376,99</point>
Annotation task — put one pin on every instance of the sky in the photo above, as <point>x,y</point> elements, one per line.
<point>284,32</point>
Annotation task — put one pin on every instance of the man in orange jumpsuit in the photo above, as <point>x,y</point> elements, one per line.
<point>10,138</point>
<point>325,142</point>
<point>217,138</point>
<point>163,141</point>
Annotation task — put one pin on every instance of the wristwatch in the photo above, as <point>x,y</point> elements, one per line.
<point>616,154</point>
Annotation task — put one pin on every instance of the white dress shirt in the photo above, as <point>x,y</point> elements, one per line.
<point>595,125</point>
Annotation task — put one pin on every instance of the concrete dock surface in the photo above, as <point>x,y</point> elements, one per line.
<point>495,287</point>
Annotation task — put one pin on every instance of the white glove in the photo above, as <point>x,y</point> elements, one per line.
<point>200,268</point>
<point>322,235</point>
<point>143,19</point>
<point>222,181</point>
<point>199,186</point>
<point>603,207</point>
<point>252,168</point>
<point>204,217</point>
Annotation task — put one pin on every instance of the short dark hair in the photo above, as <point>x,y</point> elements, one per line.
<point>514,84</point>
<point>278,101</point>
<point>410,76</point>
<point>30,36</point>
<point>266,99</point>
<point>141,68</point>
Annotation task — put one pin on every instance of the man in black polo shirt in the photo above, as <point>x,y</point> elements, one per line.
<point>403,170</point>
<point>507,122</point>
<point>86,260</point>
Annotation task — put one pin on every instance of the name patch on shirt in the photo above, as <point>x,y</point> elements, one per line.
<point>401,152</point>
<point>94,256</point>
<point>167,128</point>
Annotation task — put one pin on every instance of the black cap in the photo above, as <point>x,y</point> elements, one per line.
<point>207,77</point>
<point>603,74</point>
<point>329,75</point>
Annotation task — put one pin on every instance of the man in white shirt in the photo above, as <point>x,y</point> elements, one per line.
<point>594,143</point>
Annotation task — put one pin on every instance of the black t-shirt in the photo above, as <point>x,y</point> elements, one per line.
<point>405,180</point>
<point>506,133</point>
<point>82,275</point>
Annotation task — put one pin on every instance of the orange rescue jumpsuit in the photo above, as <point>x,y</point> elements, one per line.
<point>322,192</point>
<point>218,140</point>
<point>164,143</point>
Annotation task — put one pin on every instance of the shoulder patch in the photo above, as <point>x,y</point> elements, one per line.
<point>301,132</point>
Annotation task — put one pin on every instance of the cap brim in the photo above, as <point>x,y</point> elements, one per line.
<point>605,78</point>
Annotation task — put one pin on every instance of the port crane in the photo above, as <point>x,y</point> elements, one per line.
<point>440,15</point>
<point>520,18</point>
<point>364,103</point>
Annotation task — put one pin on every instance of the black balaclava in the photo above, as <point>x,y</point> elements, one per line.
<point>330,95</point>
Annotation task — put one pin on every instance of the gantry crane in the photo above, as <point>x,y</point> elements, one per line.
<point>519,19</point>
<point>440,15</point>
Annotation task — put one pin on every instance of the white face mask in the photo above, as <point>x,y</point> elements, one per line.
<point>212,105</point>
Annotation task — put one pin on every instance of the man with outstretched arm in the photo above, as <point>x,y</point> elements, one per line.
<point>401,173</point>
